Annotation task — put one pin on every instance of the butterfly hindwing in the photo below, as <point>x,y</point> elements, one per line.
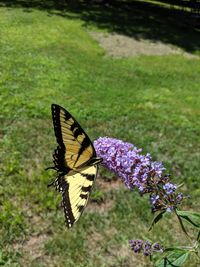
<point>76,195</point>
<point>74,146</point>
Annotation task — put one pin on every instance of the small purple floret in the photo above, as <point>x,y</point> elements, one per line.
<point>179,198</point>
<point>136,245</point>
<point>158,248</point>
<point>169,188</point>
<point>153,199</point>
<point>170,209</point>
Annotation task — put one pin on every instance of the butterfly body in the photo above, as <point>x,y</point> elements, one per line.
<point>76,164</point>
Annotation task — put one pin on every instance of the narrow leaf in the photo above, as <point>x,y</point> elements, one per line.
<point>181,224</point>
<point>174,259</point>
<point>176,249</point>
<point>156,219</point>
<point>189,213</point>
<point>191,217</point>
<point>198,237</point>
<point>181,259</point>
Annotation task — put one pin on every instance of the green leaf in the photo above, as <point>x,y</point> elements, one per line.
<point>175,259</point>
<point>191,217</point>
<point>198,237</point>
<point>181,223</point>
<point>189,213</point>
<point>156,219</point>
<point>176,249</point>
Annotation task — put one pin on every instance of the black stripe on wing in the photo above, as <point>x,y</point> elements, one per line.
<point>63,187</point>
<point>59,153</point>
<point>56,123</point>
<point>59,160</point>
<point>84,145</point>
<point>69,217</point>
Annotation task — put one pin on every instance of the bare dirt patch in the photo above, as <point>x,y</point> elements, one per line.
<point>118,45</point>
<point>94,241</point>
<point>107,185</point>
<point>112,253</point>
<point>34,245</point>
<point>129,257</point>
<point>100,207</point>
<point>31,249</point>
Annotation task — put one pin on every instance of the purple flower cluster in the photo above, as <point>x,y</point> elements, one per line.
<point>125,160</point>
<point>138,171</point>
<point>146,247</point>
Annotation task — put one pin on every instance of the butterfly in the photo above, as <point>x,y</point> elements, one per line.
<point>75,162</point>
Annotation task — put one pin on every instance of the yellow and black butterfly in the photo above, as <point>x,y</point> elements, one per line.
<point>76,164</point>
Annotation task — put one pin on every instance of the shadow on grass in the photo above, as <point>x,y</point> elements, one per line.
<point>140,20</point>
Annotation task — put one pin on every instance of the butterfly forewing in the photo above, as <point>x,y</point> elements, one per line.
<point>75,148</point>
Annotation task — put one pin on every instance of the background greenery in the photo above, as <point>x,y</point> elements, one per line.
<point>47,56</point>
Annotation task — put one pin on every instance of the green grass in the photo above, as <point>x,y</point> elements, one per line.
<point>151,101</point>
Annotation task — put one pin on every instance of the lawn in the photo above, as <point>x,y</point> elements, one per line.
<point>48,56</point>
